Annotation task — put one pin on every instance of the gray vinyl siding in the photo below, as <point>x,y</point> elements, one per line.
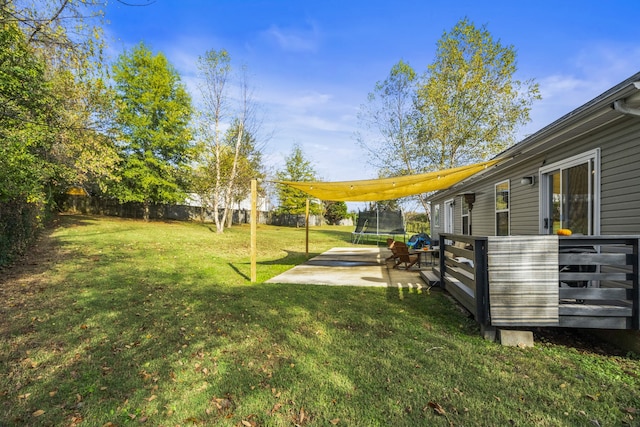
<point>524,203</point>
<point>620,181</point>
<point>482,222</point>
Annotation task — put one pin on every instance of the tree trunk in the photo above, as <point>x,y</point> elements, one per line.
<point>229,218</point>
<point>217,219</point>
<point>145,214</point>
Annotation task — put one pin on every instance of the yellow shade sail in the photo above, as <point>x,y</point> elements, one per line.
<point>372,190</point>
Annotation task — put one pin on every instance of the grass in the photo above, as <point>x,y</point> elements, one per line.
<point>112,322</point>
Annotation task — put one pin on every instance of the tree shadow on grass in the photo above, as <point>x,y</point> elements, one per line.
<point>291,258</point>
<point>335,234</point>
<point>237,270</point>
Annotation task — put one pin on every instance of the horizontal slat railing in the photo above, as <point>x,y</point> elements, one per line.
<point>599,279</point>
<point>463,272</point>
<point>582,277</point>
<point>596,293</point>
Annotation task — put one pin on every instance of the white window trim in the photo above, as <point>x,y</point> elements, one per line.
<point>564,164</point>
<point>462,215</point>
<point>497,211</point>
<point>436,215</point>
<point>449,216</point>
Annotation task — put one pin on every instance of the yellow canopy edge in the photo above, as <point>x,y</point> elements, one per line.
<point>372,190</point>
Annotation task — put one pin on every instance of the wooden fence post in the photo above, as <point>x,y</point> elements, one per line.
<point>254,229</point>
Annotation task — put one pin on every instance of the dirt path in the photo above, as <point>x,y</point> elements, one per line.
<point>22,282</point>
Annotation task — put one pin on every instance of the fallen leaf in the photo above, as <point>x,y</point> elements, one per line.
<point>594,398</point>
<point>631,410</point>
<point>335,421</point>
<point>38,413</point>
<point>152,397</point>
<point>437,408</point>
<point>222,403</point>
<point>246,423</point>
<point>276,408</point>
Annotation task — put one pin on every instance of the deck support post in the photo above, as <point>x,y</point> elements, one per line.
<point>635,293</point>
<point>488,332</point>
<point>441,263</point>
<point>482,282</point>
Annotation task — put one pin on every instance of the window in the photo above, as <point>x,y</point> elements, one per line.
<point>570,195</point>
<point>465,217</point>
<point>502,208</point>
<point>436,216</point>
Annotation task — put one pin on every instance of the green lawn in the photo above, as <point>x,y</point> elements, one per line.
<point>111,322</point>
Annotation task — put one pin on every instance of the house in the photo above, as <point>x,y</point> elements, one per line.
<point>582,173</point>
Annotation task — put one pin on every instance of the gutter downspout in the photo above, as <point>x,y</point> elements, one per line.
<point>622,107</point>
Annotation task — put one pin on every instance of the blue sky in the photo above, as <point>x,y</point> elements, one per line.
<point>313,62</point>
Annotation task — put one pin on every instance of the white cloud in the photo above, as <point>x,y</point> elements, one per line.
<point>590,72</point>
<point>294,40</point>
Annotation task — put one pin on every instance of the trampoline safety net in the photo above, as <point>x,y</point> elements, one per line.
<point>377,223</point>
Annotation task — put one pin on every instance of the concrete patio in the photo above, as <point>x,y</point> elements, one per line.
<point>352,266</point>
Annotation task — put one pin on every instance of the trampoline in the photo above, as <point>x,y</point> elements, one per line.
<point>378,223</point>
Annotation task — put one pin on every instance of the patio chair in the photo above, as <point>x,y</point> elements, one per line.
<point>402,256</point>
<point>390,244</point>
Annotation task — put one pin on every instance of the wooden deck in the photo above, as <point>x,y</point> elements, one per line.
<point>585,281</point>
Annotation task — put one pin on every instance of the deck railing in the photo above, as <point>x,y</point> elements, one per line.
<point>591,282</point>
<point>463,272</point>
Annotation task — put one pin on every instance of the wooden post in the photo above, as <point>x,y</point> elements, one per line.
<point>254,229</point>
<point>306,221</point>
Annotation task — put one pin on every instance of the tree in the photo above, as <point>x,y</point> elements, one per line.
<point>228,161</point>
<point>248,166</point>
<point>153,111</point>
<point>57,36</point>
<point>465,108</point>
<point>40,70</point>
<point>25,109</point>
<point>334,212</point>
<point>390,119</point>
<point>297,168</point>
<point>470,103</point>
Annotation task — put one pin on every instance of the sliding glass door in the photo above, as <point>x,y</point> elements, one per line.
<point>570,195</point>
